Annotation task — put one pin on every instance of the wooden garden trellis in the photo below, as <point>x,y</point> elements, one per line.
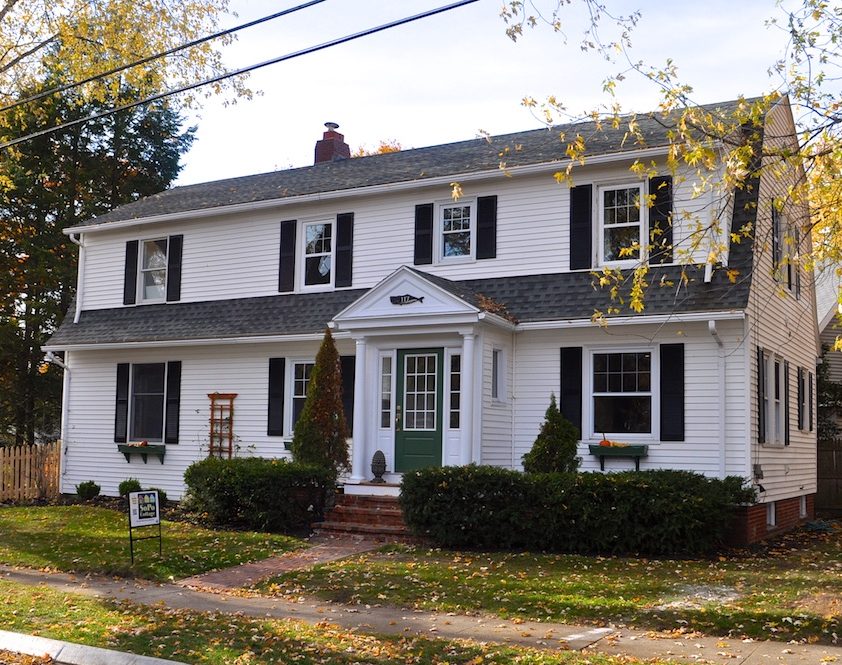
<point>29,472</point>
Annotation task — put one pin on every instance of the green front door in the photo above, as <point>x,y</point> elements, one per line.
<point>418,414</point>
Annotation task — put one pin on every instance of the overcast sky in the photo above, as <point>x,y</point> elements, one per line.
<point>448,77</point>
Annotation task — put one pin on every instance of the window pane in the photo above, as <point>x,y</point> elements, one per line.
<point>622,415</point>
<point>148,378</point>
<point>619,238</point>
<point>154,254</point>
<point>148,401</point>
<point>317,270</point>
<point>457,244</point>
<point>154,285</point>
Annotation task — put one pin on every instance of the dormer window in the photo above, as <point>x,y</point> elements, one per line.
<point>153,270</point>
<point>622,223</point>
<point>318,253</point>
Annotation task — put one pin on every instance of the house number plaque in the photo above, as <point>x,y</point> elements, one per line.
<point>405,299</point>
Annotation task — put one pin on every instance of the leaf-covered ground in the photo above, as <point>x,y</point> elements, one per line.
<point>791,590</point>
<point>85,538</point>
<point>237,640</point>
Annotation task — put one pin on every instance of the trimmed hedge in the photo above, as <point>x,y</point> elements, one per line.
<point>257,493</point>
<point>648,512</point>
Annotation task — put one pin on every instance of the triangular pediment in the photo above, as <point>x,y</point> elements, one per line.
<point>406,293</point>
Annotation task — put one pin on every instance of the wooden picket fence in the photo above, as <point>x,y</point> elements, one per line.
<point>29,472</point>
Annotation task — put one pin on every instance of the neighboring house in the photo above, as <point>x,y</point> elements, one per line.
<point>455,320</point>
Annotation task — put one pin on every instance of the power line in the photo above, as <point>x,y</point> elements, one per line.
<point>157,56</point>
<point>238,72</point>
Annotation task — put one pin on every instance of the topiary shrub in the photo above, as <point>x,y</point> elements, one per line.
<point>87,490</point>
<point>257,493</point>
<point>321,432</point>
<point>128,485</point>
<point>649,512</point>
<point>554,451</point>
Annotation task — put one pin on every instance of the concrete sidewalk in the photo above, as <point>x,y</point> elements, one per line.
<point>394,621</point>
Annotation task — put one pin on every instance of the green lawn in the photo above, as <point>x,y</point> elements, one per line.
<point>89,539</point>
<point>792,591</point>
<point>217,638</point>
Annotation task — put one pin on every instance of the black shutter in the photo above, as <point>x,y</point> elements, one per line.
<point>800,391</point>
<point>344,249</point>
<point>810,402</point>
<point>286,261</point>
<point>347,364</point>
<point>487,227</point>
<point>173,405</point>
<point>786,403</point>
<point>277,377</point>
<point>174,246</point>
<point>423,234</point>
<point>570,396</point>
<point>130,276</point>
<point>660,226</point>
<point>761,396</point>
<point>121,413</point>
<point>672,392</point>
<point>581,226</point>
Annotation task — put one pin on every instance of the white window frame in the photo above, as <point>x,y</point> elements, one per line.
<point>802,507</point>
<point>440,233</point>
<point>290,390</point>
<point>450,354</point>
<point>771,515</point>
<point>302,273</point>
<point>654,386</point>
<point>382,358</point>
<point>643,223</point>
<point>775,407</point>
<point>141,291</point>
<point>130,423</point>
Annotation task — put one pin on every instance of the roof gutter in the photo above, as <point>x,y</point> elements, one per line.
<point>690,317</point>
<point>544,167</point>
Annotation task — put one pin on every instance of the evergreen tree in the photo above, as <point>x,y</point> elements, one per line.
<point>47,184</point>
<point>321,432</point>
<point>555,448</point>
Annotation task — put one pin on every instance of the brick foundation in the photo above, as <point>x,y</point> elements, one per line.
<point>750,524</point>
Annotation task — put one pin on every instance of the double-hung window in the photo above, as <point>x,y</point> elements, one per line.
<point>318,253</point>
<point>456,224</point>
<point>153,270</point>
<point>147,401</point>
<point>774,399</point>
<point>622,224</point>
<point>301,372</point>
<point>622,393</point>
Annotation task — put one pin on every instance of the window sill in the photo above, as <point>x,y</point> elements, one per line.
<point>631,451</point>
<point>144,451</point>
<point>774,444</point>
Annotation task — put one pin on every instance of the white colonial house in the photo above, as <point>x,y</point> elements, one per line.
<point>199,312</point>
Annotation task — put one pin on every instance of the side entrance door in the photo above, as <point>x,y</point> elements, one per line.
<point>418,415</point>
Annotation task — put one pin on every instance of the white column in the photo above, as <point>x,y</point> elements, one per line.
<point>467,399</point>
<point>358,452</point>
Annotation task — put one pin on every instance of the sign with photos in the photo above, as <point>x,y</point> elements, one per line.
<point>144,508</point>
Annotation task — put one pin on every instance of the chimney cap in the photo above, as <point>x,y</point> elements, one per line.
<point>332,126</point>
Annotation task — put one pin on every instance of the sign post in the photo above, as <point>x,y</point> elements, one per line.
<point>144,511</point>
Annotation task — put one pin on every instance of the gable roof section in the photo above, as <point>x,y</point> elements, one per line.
<point>541,146</point>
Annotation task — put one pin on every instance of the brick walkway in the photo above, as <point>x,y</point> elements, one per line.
<point>322,550</point>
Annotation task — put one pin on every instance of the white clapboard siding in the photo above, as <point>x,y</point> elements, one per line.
<point>785,326</point>
<point>497,414</point>
<point>234,256</point>
<point>537,375</point>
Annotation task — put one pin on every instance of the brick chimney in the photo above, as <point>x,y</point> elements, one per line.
<point>332,147</point>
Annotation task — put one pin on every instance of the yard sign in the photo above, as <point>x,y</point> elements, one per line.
<point>144,511</point>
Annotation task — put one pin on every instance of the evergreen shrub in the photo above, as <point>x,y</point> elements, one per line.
<point>648,512</point>
<point>87,490</point>
<point>257,493</point>
<point>554,451</point>
<point>128,485</point>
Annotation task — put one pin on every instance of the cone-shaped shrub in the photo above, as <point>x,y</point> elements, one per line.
<point>554,451</point>
<point>321,432</point>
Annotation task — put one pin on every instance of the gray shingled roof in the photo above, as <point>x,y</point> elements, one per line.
<point>417,165</point>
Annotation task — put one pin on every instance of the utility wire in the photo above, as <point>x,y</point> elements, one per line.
<point>157,56</point>
<point>243,70</point>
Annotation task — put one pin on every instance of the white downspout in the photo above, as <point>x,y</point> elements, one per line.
<point>80,275</point>
<point>722,396</point>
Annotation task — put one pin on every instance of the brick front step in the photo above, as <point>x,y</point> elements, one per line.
<point>360,528</point>
<point>365,515</point>
<point>360,514</point>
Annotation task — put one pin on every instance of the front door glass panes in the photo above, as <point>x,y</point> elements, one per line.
<point>420,392</point>
<point>153,269</point>
<point>622,393</point>
<point>318,251</point>
<point>456,231</point>
<point>621,223</point>
<point>148,402</point>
